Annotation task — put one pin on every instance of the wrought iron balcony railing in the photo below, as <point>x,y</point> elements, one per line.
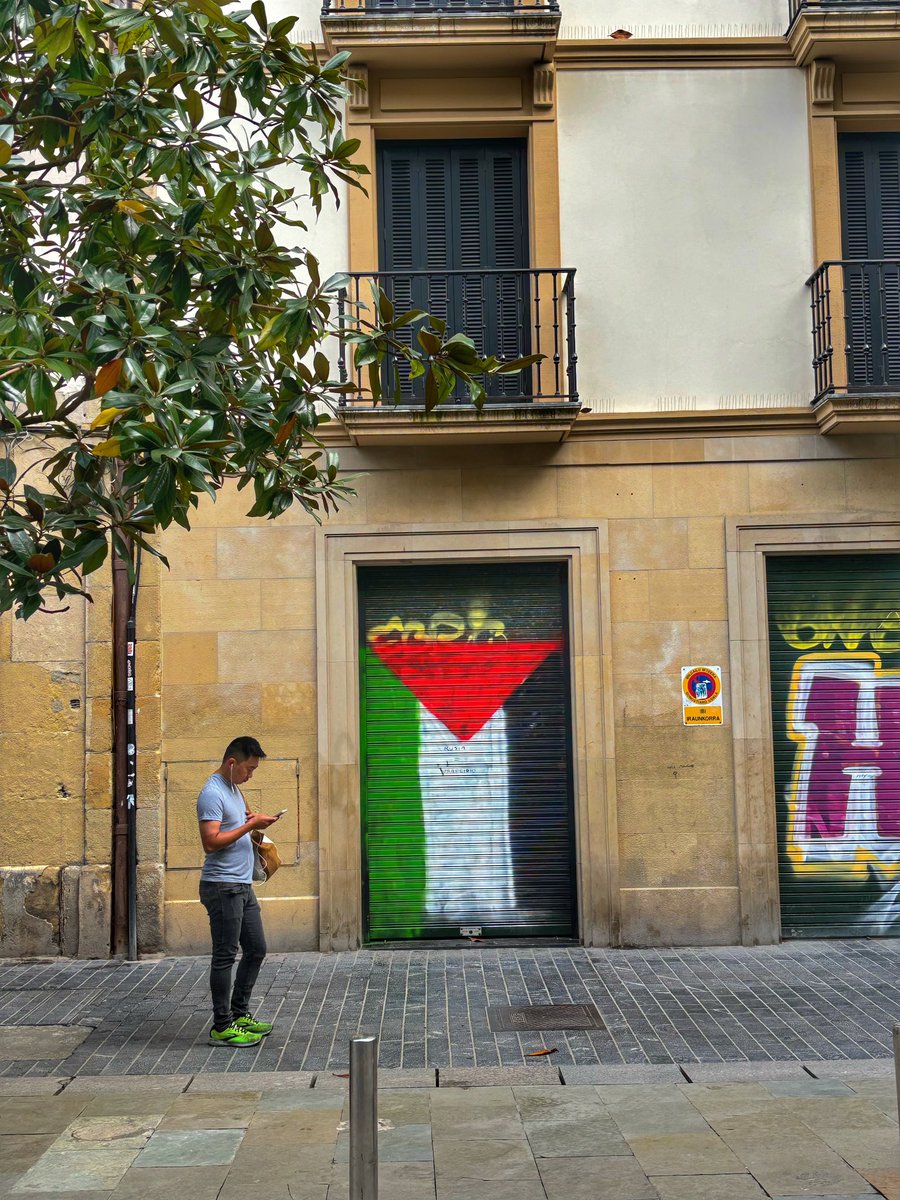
<point>508,314</point>
<point>333,8</point>
<point>798,6</point>
<point>861,298</point>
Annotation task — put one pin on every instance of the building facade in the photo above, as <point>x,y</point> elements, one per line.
<point>490,689</point>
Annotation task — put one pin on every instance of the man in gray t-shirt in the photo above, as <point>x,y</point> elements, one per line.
<point>226,891</point>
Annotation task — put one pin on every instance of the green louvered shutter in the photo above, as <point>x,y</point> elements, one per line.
<point>870,199</point>
<point>459,206</point>
<point>834,644</point>
<point>466,774</point>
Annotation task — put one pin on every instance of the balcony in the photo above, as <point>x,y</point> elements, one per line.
<point>443,33</point>
<point>509,314</point>
<point>853,32</point>
<point>858,386</point>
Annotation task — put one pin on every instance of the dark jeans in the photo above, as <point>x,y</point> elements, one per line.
<point>234,920</point>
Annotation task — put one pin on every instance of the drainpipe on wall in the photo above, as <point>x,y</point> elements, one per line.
<point>131,761</point>
<point>124,856</point>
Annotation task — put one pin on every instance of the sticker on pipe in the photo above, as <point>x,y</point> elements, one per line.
<point>701,695</point>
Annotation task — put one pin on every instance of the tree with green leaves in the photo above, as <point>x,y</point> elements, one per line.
<point>157,334</point>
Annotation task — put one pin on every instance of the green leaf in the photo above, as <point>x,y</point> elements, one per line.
<point>43,397</point>
<point>195,108</point>
<point>58,41</point>
<point>180,286</point>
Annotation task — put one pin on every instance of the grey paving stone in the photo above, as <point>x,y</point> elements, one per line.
<point>864,1068</point>
<point>31,1086</point>
<point>708,1187</point>
<point>233,1110</point>
<point>388,1077</point>
<point>164,1183</point>
<point>402,1144</point>
<point>594,1179</point>
<point>474,1189</point>
<point>66,1170</point>
<point>486,1161</point>
<point>728,1099</point>
<point>685,1154</point>
<point>464,1077</point>
<point>646,1110</point>
<point>616,1073</point>
<point>103,1085</point>
<point>36,1043</point>
<point>40,1114</point>
<point>292,1099</point>
<point>258,1081</point>
<point>856,1196</point>
<point>784,1088</point>
<point>743,1072</point>
<point>396,1181</point>
<point>575,1138</point>
<point>89,1133</point>
<point>191,1148</point>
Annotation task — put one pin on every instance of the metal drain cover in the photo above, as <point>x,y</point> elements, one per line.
<point>561,1017</point>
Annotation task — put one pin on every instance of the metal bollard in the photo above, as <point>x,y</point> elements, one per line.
<point>897,1061</point>
<point>364,1118</point>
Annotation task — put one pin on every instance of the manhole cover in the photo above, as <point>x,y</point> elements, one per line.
<point>503,1019</point>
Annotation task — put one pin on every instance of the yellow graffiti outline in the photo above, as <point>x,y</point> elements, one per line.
<point>858,867</point>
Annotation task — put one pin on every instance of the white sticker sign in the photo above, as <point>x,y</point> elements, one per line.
<point>701,695</point>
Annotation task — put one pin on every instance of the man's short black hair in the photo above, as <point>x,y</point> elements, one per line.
<point>242,748</point>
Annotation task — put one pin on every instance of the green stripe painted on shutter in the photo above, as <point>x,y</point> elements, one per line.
<point>834,643</point>
<point>392,804</point>
<point>466,752</point>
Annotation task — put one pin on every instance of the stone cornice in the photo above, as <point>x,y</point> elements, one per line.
<point>660,53</point>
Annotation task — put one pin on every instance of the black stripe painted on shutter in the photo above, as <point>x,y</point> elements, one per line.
<point>462,207</point>
<point>870,205</point>
<point>466,827</point>
<point>834,645</point>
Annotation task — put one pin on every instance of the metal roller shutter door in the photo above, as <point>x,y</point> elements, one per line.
<point>834,640</point>
<point>466,758</point>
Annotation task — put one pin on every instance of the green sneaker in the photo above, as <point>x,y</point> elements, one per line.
<point>248,1024</point>
<point>234,1035</point>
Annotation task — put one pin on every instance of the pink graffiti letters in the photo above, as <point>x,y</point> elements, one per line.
<point>844,715</point>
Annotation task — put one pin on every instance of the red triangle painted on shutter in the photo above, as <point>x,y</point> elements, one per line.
<point>463,683</point>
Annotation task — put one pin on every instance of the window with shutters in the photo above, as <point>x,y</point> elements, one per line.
<point>870,200</point>
<point>454,242</point>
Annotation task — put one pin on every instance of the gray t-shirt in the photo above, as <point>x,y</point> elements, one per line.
<point>219,801</point>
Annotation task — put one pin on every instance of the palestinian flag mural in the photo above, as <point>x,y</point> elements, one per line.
<point>466,778</point>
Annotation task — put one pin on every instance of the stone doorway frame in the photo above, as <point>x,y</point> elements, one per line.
<point>748,542</point>
<point>584,548</point>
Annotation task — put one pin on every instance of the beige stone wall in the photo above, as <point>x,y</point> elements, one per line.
<point>239,655</point>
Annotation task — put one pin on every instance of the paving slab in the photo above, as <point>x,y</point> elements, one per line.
<point>41,1043</point>
<point>191,1148</point>
<point>40,1114</point>
<point>292,1127</point>
<point>234,1110</point>
<point>645,1111</point>
<point>685,1154</point>
<point>65,1170</point>
<point>887,1182</point>
<point>882,1093</point>
<point>743,1072</point>
<point>594,1179</point>
<point>621,1073</point>
<point>397,1181</point>
<point>291,1099</point>
<point>728,1099</point>
<point>554,1103</point>
<point>254,1081</point>
<point>708,1187</point>
<point>137,1104</point>
<point>784,1088</point>
<point>402,1144</point>
<point>30,1085</point>
<point>103,1085</point>
<point>463,1077</point>
<point>865,1068</point>
<point>257,1172</point>
<point>164,1183</point>
<point>474,1189</point>
<point>388,1077</point>
<point>457,1159</point>
<point>18,1152</point>
<point>95,1133</point>
<point>785,1156</point>
<point>593,1137</point>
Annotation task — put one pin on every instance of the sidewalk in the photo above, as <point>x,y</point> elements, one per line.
<point>720,1074</point>
<point>808,1001</point>
<point>283,1136</point>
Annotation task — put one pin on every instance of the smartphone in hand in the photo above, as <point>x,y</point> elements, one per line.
<point>279,815</point>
